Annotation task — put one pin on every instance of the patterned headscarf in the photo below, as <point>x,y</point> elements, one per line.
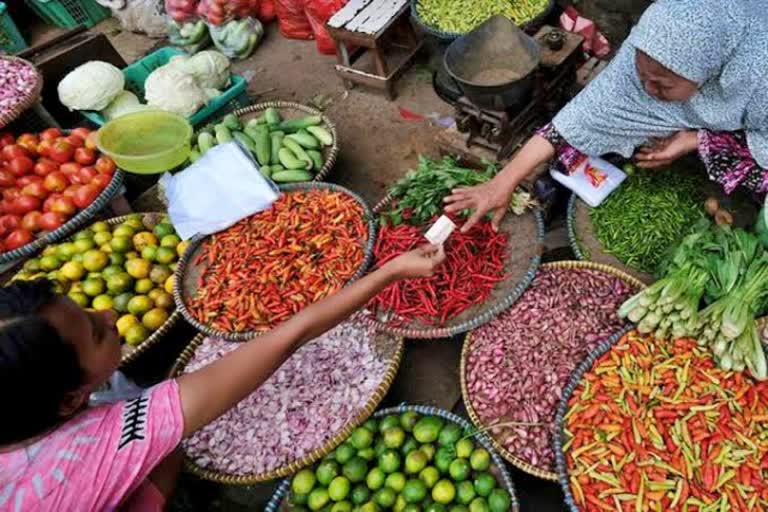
<point>722,45</point>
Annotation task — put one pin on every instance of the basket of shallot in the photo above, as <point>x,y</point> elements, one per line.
<point>309,406</point>
<point>20,86</point>
<point>514,369</point>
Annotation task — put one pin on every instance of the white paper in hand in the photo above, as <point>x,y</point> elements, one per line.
<point>440,230</point>
<point>217,191</point>
<point>592,181</point>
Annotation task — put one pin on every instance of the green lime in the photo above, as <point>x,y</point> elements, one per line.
<point>429,450</point>
<point>134,221</point>
<point>389,461</point>
<point>159,274</point>
<point>112,270</point>
<point>380,448</point>
<point>361,438</point>
<point>410,445</point>
<point>427,429</point>
<point>94,286</point>
<point>367,453</point>
<point>327,471</point>
<point>72,270</point>
<point>170,241</point>
<point>85,234</point>
<point>443,492</point>
<point>394,437</point>
<point>144,239</point>
<point>389,422</point>
<point>318,498</point>
<point>80,298</point>
<point>400,504</point>
<point>360,494</point>
<point>449,435</point>
<point>480,460</point>
<point>124,231</point>
<point>339,488</point>
<point>414,491</point>
<point>83,245</point>
<point>102,303</point>
<point>95,260</point>
<point>342,506</point>
<point>124,323</point>
<point>303,482</point>
<point>459,470</point>
<point>499,501</point>
<point>99,227</point>
<point>372,425</point>
<point>149,253</point>
<point>163,299</point>
<point>300,500</point>
<point>443,458</point>
<point>375,479</point>
<point>165,255</point>
<point>139,304</point>
<point>395,481</point>
<point>163,229</point>
<point>356,469</point>
<point>484,484</point>
<point>121,244</point>
<point>464,448</point>
<point>93,275</point>
<point>136,334</point>
<point>49,263</point>
<point>369,507</point>
<point>154,319</point>
<point>435,507</point>
<point>412,507</point>
<point>143,286</point>
<point>102,237</point>
<point>465,492</point>
<point>385,497</point>
<point>78,258</point>
<point>65,251</point>
<point>429,475</point>
<point>344,452</point>
<point>120,303</point>
<point>479,505</point>
<point>415,462</point>
<point>32,265</point>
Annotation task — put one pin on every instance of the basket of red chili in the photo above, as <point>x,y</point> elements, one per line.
<point>648,424</point>
<point>484,273</point>
<point>240,282</point>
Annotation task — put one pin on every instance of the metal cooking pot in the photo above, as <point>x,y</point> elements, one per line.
<point>493,65</point>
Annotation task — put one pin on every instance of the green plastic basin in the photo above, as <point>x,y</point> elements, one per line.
<point>146,142</point>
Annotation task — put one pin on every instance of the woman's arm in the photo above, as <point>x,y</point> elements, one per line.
<point>729,161</point>
<point>211,391</point>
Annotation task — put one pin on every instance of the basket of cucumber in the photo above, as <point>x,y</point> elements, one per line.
<point>291,142</point>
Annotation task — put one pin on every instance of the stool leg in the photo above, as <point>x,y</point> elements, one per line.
<point>342,55</point>
<point>381,65</point>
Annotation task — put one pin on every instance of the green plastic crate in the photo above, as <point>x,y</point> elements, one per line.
<point>69,13</point>
<point>137,73</point>
<point>10,37</point>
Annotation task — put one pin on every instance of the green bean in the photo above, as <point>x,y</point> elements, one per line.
<point>461,16</point>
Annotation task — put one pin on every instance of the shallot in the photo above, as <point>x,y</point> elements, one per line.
<point>17,81</point>
<point>315,394</point>
<point>519,363</point>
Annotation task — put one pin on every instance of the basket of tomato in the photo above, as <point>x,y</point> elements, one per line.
<point>50,184</point>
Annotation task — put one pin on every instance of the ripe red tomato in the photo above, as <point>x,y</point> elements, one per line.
<point>25,204</point>
<point>12,151</point>
<point>48,203</point>
<point>11,193</point>
<point>36,189</point>
<point>45,166</point>
<point>44,148</point>
<point>28,141</point>
<point>70,168</point>
<point>81,132</point>
<point>21,165</point>
<point>70,191</point>
<point>63,205</point>
<point>17,238</point>
<point>86,175</point>
<point>56,182</point>
<point>31,221</point>
<point>29,178</point>
<point>6,139</point>
<point>50,134</point>
<point>102,181</point>
<point>61,151</point>
<point>9,222</point>
<point>85,195</point>
<point>105,165</point>
<point>6,178</point>
<point>75,141</point>
<point>51,220</point>
<point>85,156</point>
<point>91,140</point>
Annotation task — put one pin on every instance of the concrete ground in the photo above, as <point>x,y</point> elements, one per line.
<point>377,147</point>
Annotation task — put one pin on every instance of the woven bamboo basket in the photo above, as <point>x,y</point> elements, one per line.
<point>291,110</point>
<point>387,345</point>
<point>278,503</point>
<point>187,273</point>
<point>525,244</point>
<point>466,349</point>
<point>29,100</point>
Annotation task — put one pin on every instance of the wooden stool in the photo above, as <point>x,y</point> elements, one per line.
<point>381,28</point>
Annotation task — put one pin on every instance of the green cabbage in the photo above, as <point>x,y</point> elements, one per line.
<point>91,86</point>
<point>124,103</point>
<point>170,89</point>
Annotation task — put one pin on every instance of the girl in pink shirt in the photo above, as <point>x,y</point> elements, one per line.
<point>58,454</point>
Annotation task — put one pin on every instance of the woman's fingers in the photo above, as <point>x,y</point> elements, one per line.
<point>463,204</point>
<point>498,216</point>
<point>473,219</point>
<point>653,164</point>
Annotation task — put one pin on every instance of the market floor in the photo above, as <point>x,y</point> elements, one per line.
<point>378,145</point>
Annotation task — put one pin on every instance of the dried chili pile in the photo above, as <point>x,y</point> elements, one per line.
<point>654,425</point>
<point>269,266</point>
<point>474,264</point>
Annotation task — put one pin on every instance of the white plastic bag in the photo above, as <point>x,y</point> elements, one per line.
<point>217,191</point>
<point>146,16</point>
<point>592,181</point>
<point>118,388</point>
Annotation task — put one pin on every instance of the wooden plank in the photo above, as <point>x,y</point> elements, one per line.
<point>375,16</point>
<point>347,13</point>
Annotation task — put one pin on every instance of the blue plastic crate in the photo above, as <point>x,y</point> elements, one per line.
<point>137,73</point>
<point>11,40</point>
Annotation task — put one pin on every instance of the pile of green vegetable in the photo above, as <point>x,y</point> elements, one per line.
<point>288,150</point>
<point>419,194</point>
<point>405,463</point>
<point>193,36</point>
<point>724,269</point>
<point>460,16</point>
<point>649,213</point>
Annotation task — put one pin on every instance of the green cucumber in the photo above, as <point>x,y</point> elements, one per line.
<point>253,123</point>
<point>289,160</point>
<point>231,121</point>
<point>304,139</point>
<point>245,141</point>
<point>205,141</point>
<point>317,158</point>
<point>298,151</point>
<point>223,135</point>
<point>272,116</point>
<point>194,155</point>
<point>266,171</point>
<point>291,176</point>
<point>263,145</point>
<point>321,134</point>
<point>294,125</point>
<point>277,142</point>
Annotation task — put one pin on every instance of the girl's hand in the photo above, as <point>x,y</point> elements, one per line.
<point>484,198</point>
<point>666,151</point>
<point>420,262</point>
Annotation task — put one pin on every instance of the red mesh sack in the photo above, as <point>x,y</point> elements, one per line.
<point>267,11</point>
<point>181,10</point>
<point>318,13</point>
<point>293,20</point>
<point>218,12</point>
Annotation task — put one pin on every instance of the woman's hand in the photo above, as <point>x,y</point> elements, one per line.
<point>484,198</point>
<point>666,151</point>
<point>420,262</point>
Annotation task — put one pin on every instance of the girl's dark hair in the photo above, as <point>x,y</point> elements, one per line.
<point>37,367</point>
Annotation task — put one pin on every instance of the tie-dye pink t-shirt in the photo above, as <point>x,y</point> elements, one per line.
<point>96,460</point>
